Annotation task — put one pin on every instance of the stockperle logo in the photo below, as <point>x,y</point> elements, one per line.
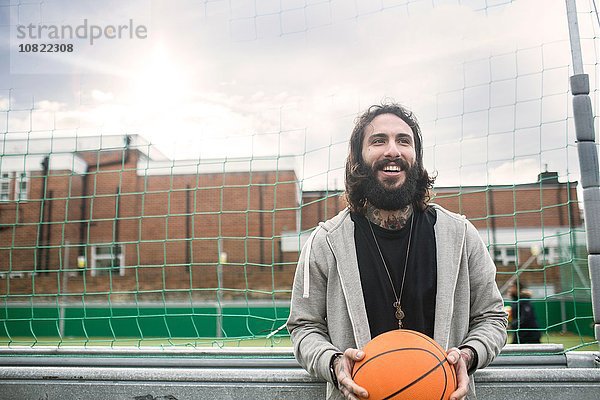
<point>85,31</point>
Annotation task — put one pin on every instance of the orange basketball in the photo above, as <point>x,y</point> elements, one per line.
<point>405,364</point>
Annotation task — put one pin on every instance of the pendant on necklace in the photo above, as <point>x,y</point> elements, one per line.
<point>399,313</point>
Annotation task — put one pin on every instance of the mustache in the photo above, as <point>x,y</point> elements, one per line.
<point>400,162</point>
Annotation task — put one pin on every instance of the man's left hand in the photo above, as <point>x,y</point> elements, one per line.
<point>462,378</point>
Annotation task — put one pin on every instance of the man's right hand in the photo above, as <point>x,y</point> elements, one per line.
<point>343,371</point>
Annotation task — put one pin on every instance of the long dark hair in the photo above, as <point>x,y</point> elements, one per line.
<point>356,173</point>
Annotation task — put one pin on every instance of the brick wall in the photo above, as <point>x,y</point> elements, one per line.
<point>172,228</point>
<point>516,207</point>
<point>21,222</point>
<point>320,206</point>
<point>521,207</point>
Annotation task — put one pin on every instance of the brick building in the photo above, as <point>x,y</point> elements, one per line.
<point>129,224</point>
<point>123,218</point>
<point>533,230</point>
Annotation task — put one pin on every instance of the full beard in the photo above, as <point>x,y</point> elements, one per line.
<point>389,199</point>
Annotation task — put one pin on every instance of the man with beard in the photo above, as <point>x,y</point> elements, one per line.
<point>392,260</point>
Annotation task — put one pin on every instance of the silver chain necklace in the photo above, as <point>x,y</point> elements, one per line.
<point>397,306</point>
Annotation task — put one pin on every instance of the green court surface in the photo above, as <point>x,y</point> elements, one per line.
<point>151,342</point>
<point>569,340</point>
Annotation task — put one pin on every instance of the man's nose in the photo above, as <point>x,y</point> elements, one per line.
<point>392,150</point>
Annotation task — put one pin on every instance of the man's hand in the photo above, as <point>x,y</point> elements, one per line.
<point>343,371</point>
<point>455,358</point>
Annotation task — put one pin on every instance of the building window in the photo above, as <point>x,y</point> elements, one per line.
<point>505,255</point>
<point>4,187</point>
<point>21,186</point>
<point>108,259</point>
<point>548,256</point>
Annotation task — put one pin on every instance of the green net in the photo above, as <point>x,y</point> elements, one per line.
<point>159,195</point>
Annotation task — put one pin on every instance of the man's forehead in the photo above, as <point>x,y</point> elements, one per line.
<point>388,123</point>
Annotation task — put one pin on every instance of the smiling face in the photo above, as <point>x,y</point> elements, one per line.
<point>384,167</point>
<point>389,149</point>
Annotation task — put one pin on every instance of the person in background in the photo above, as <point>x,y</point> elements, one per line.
<point>393,260</point>
<point>523,319</point>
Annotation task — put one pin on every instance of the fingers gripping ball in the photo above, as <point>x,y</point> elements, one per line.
<point>405,364</point>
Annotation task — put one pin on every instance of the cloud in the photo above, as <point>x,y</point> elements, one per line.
<point>518,171</point>
<point>50,106</point>
<point>235,79</point>
<point>102,97</point>
<point>4,104</point>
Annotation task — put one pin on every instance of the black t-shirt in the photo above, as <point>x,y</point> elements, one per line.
<point>420,286</point>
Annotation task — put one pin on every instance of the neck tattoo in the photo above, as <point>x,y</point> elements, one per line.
<point>393,220</point>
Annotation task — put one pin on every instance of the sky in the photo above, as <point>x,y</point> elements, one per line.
<point>285,79</point>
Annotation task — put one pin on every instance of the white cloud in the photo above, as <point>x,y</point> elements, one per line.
<point>4,104</point>
<point>208,90</point>
<point>518,171</point>
<point>48,105</point>
<point>102,97</point>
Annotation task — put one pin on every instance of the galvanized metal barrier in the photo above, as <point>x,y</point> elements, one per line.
<point>583,116</point>
<point>530,373</point>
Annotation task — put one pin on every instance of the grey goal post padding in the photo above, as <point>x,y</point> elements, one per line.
<point>523,372</point>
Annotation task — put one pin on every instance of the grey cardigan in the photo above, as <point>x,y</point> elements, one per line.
<point>328,312</point>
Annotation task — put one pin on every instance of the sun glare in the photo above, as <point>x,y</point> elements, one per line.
<point>160,84</point>
<point>159,93</point>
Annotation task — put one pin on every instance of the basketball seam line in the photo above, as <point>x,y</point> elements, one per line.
<point>417,380</point>
<point>392,351</point>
